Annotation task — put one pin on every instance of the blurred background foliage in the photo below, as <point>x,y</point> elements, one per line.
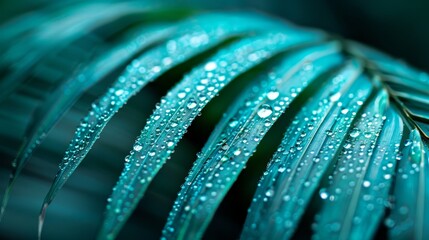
<point>398,27</point>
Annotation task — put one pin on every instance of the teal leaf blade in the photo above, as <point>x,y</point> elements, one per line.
<point>359,184</point>
<point>51,110</point>
<point>409,216</point>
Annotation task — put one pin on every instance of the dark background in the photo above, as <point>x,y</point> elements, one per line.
<point>397,27</point>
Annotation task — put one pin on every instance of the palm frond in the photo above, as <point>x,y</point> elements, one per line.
<point>355,121</point>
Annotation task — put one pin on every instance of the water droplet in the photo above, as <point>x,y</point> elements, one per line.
<point>272,95</point>
<point>233,123</point>
<point>181,95</point>
<point>407,142</point>
<point>191,104</point>
<point>210,66</point>
<point>156,69</point>
<point>366,183</point>
<point>286,198</point>
<point>335,97</point>
<point>200,87</point>
<point>265,111</point>
<point>323,194</point>
<point>269,193</point>
<point>119,92</point>
<point>344,111</point>
<point>355,133</point>
<point>137,147</point>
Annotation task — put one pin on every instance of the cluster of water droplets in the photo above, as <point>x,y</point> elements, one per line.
<point>341,123</point>
<point>177,110</point>
<point>407,217</point>
<point>192,37</point>
<point>409,86</point>
<point>359,185</point>
<point>71,88</point>
<point>236,137</point>
<point>309,145</point>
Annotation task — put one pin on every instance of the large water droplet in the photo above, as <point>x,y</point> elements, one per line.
<point>181,95</point>
<point>137,148</point>
<point>233,123</point>
<point>366,183</point>
<point>323,194</point>
<point>119,92</point>
<point>265,111</point>
<point>269,193</point>
<point>210,66</point>
<point>191,104</point>
<point>200,87</point>
<point>344,111</point>
<point>335,97</point>
<point>272,95</point>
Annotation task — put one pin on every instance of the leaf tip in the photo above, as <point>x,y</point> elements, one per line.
<point>5,199</point>
<point>42,220</point>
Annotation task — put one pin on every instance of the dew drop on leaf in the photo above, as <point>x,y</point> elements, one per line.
<point>181,95</point>
<point>272,95</point>
<point>210,66</point>
<point>335,97</point>
<point>191,104</point>
<point>355,133</point>
<point>323,194</point>
<point>265,111</point>
<point>137,148</point>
